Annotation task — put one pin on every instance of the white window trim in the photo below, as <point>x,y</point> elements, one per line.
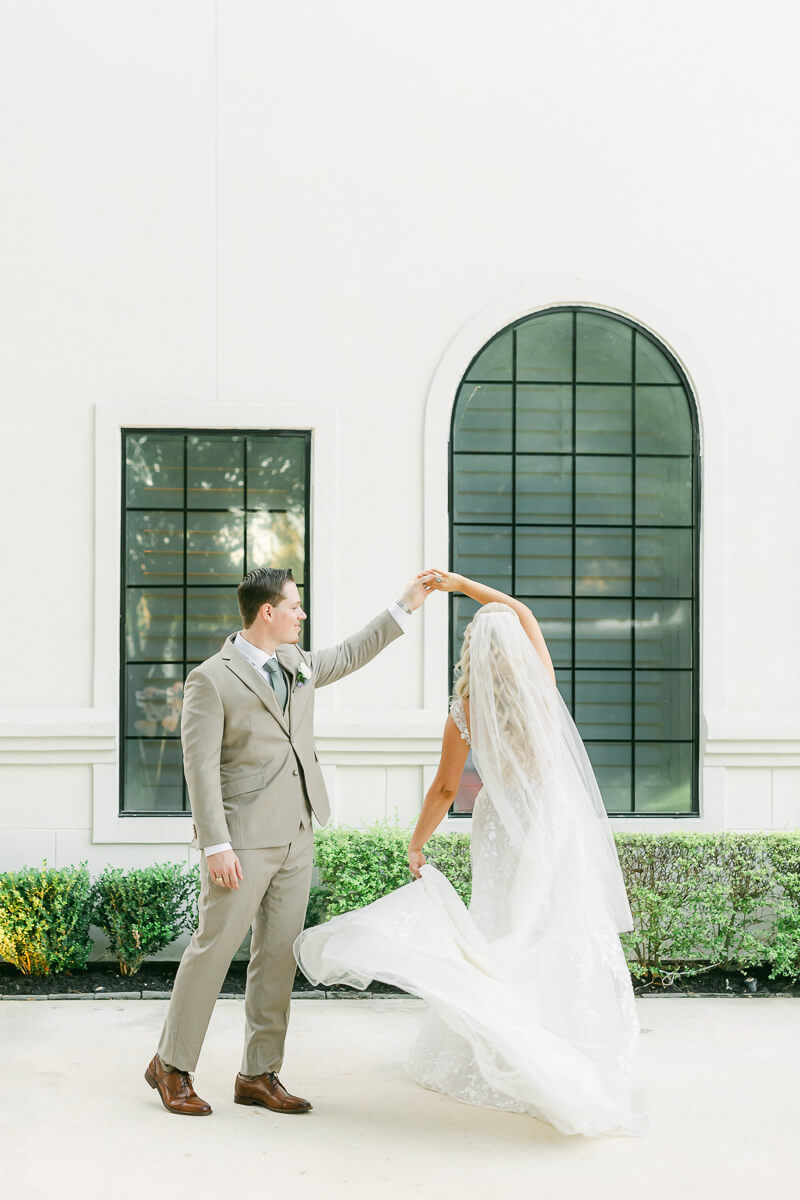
<point>110,420</point>
<point>471,338</point>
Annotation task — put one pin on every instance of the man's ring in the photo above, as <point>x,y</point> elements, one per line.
<point>217,879</point>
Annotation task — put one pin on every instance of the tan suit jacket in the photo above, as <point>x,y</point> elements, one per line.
<point>252,770</point>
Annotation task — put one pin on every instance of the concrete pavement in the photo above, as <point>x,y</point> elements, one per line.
<point>78,1120</point>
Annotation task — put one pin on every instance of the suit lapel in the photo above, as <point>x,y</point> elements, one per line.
<point>243,669</point>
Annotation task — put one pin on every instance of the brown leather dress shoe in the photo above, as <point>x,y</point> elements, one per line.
<point>268,1092</point>
<point>175,1089</point>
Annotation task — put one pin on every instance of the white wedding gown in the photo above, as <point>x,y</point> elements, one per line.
<point>530,1001</point>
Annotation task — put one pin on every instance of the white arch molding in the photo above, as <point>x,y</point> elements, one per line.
<point>666,328</point>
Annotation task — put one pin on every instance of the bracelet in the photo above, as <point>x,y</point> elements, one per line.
<point>406,607</point>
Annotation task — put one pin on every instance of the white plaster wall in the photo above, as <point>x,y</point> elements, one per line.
<point>248,203</point>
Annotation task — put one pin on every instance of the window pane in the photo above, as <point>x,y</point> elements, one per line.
<point>663,633</point>
<point>153,470</point>
<point>544,562</point>
<point>603,419</point>
<point>612,768</point>
<point>215,548</point>
<point>663,777</point>
<point>544,347</point>
<point>603,562</point>
<point>663,491</point>
<point>215,472</point>
<point>153,775</point>
<point>604,349</point>
<point>483,418</point>
<point>276,539</point>
<point>664,562</point>
<point>602,633</point>
<point>154,624</point>
<point>603,490</point>
<point>482,490</point>
<point>483,554</point>
<point>210,617</point>
<point>155,547</point>
<point>652,366</point>
<point>603,704</point>
<point>663,704</point>
<point>663,424</point>
<point>564,685</point>
<point>494,361</point>
<point>555,619</point>
<point>544,488</point>
<point>544,418</point>
<point>276,473</point>
<point>154,699</point>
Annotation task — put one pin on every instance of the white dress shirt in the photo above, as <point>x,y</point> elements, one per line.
<point>259,657</point>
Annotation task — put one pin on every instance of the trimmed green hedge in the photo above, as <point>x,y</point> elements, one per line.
<point>699,900</point>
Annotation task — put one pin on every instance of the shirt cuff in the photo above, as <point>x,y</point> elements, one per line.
<point>400,615</point>
<point>216,849</point>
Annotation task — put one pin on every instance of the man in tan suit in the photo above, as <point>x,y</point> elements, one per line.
<point>254,781</point>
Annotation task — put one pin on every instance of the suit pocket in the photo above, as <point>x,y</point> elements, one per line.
<point>244,784</point>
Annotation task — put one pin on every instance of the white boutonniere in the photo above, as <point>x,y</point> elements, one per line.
<point>303,674</point>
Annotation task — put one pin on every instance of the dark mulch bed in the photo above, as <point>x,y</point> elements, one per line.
<point>159,977</point>
<point>153,977</point>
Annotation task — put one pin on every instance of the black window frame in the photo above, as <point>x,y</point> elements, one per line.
<point>186,432</point>
<point>696,476</point>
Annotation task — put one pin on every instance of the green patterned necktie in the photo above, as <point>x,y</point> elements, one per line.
<point>275,673</point>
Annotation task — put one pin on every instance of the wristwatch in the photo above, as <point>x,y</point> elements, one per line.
<point>406,607</point>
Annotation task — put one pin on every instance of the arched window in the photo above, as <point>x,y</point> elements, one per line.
<point>574,485</point>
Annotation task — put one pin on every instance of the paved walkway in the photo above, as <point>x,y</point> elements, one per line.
<point>77,1119</point>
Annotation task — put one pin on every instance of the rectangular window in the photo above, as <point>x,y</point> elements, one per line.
<point>200,510</point>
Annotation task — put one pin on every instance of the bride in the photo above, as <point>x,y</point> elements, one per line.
<point>530,1002</point>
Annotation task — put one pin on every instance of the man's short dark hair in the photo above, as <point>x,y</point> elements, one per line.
<point>262,586</point>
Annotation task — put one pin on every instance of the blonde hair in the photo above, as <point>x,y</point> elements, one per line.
<point>510,712</point>
<point>461,685</point>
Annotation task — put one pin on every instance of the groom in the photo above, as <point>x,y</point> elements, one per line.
<point>254,781</point>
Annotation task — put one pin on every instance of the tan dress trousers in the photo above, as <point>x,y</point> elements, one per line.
<point>272,898</point>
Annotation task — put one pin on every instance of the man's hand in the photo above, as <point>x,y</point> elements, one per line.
<point>225,869</point>
<point>416,859</point>
<point>417,590</point>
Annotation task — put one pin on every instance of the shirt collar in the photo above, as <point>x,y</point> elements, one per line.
<point>256,656</point>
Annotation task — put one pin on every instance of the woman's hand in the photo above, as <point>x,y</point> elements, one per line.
<point>416,859</point>
<point>442,581</point>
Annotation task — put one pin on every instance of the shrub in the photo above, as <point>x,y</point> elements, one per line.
<point>142,911</point>
<point>698,900</point>
<point>358,866</point>
<point>45,916</point>
<point>783,947</point>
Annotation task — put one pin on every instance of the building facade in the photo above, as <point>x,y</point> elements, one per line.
<point>510,289</point>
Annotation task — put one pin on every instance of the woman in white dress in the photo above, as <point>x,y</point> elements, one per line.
<point>531,1007</point>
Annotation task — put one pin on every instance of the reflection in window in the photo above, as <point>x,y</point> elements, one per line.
<point>201,509</point>
<point>574,485</point>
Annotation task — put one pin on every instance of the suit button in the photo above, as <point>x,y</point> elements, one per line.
<point>295,771</point>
